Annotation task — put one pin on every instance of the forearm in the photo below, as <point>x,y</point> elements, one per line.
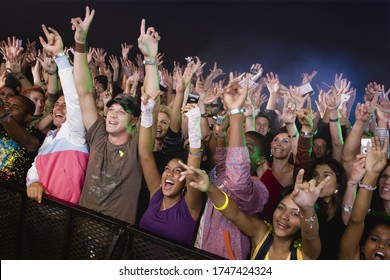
<point>24,82</point>
<point>204,123</point>
<point>250,123</point>
<point>348,200</point>
<point>336,135</point>
<point>363,198</point>
<point>236,135</point>
<point>151,81</point>
<point>169,95</point>
<point>82,74</point>
<point>176,120</point>
<point>271,105</point>
<point>115,76</point>
<point>20,135</point>
<point>293,134</point>
<point>352,142</point>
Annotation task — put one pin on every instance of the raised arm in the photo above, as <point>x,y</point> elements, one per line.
<point>193,196</point>
<point>375,162</point>
<point>305,195</point>
<point>82,74</point>
<point>352,143</point>
<point>148,45</point>
<point>252,226</point>
<point>55,46</point>
<point>145,145</point>
<point>332,102</point>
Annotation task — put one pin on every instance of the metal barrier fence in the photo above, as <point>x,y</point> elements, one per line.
<point>56,229</point>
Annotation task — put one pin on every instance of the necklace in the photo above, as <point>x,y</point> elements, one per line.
<point>165,208</point>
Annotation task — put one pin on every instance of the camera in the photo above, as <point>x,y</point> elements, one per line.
<point>219,119</point>
<point>190,58</point>
<point>193,97</point>
<point>344,98</point>
<point>364,144</point>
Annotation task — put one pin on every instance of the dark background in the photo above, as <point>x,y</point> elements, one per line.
<point>286,37</point>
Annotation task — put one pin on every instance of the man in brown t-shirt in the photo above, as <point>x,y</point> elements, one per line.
<point>113,179</point>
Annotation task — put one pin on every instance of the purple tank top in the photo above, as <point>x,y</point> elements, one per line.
<point>175,223</point>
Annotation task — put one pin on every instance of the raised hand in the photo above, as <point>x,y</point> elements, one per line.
<point>11,47</point>
<point>234,95</point>
<point>167,77</point>
<point>213,93</point>
<point>306,116</point>
<point>358,169</point>
<point>30,47</point>
<point>113,60</point>
<point>295,94</point>
<point>216,72</point>
<point>272,82</point>
<point>159,60</point>
<point>81,27</point>
<point>333,100</point>
<point>289,110</point>
<point>376,155</point>
<point>255,72</point>
<point>320,103</point>
<point>199,178</point>
<point>125,50</point>
<point>48,64</point>
<point>148,42</point>
<point>306,78</point>
<point>305,193</point>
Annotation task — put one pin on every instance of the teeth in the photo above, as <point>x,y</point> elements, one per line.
<point>282,225</point>
<point>379,256</point>
<point>169,181</point>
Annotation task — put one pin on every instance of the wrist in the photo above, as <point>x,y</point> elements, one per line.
<point>149,62</point>
<point>352,183</point>
<point>236,111</point>
<point>81,47</point>
<point>306,134</point>
<point>150,58</point>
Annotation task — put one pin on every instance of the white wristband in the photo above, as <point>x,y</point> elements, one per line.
<point>194,132</point>
<point>147,113</point>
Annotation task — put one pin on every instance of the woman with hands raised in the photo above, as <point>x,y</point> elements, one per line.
<point>366,238</point>
<point>294,230</point>
<point>173,212</point>
<point>234,167</point>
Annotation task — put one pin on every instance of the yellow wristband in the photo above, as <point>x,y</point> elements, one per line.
<point>225,205</point>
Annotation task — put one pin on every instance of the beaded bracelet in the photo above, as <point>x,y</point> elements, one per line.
<point>225,205</point>
<point>309,220</point>
<point>367,187</point>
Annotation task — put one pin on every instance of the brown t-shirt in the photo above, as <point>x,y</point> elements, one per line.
<point>113,180</point>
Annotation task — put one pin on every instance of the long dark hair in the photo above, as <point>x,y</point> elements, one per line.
<point>341,177</point>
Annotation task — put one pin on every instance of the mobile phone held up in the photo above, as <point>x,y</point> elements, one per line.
<point>364,144</point>
<point>219,119</point>
<point>306,89</point>
<point>193,97</point>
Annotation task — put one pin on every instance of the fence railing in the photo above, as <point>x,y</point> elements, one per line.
<point>56,229</point>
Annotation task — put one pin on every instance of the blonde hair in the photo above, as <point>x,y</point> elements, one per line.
<point>165,109</point>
